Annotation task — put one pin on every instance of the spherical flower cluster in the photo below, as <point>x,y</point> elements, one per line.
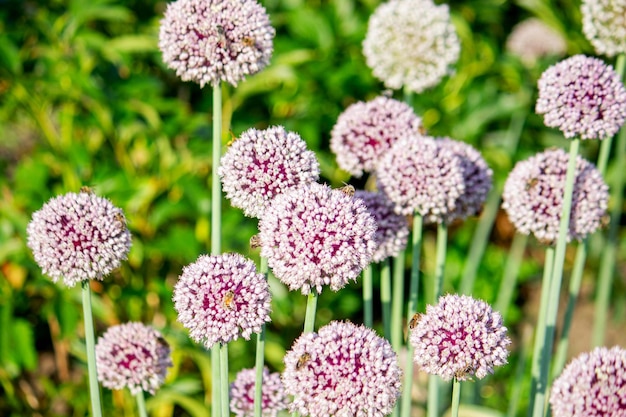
<point>422,177</point>
<point>533,196</point>
<point>532,40</point>
<point>392,231</point>
<point>264,163</point>
<point>76,237</point>
<point>583,97</point>
<point>314,236</point>
<point>604,24</point>
<point>592,385</point>
<point>273,396</point>
<point>133,356</point>
<point>209,41</point>
<point>342,370</point>
<point>411,44</point>
<point>220,298</point>
<point>459,338</point>
<point>366,130</point>
<point>477,177</point>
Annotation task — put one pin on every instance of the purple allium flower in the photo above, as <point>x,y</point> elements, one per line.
<point>532,40</point>
<point>219,298</point>
<point>264,163</point>
<point>477,177</point>
<point>411,44</point>
<point>76,237</point>
<point>422,177</point>
<point>133,356</point>
<point>582,97</point>
<point>342,370</point>
<point>365,131</point>
<point>592,385</point>
<point>459,338</point>
<point>209,41</point>
<point>273,396</point>
<point>314,236</point>
<point>533,196</point>
<point>604,24</point>
<point>392,231</point>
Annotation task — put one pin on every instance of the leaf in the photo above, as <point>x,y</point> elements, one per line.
<point>10,56</point>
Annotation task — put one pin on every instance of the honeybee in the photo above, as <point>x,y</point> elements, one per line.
<point>87,190</point>
<point>531,183</point>
<point>119,219</point>
<point>415,320</point>
<point>233,138</point>
<point>255,241</point>
<point>421,130</point>
<point>162,342</point>
<point>228,300</point>
<point>462,373</point>
<point>348,190</point>
<point>248,41</point>
<point>223,41</point>
<point>605,220</point>
<point>302,360</point>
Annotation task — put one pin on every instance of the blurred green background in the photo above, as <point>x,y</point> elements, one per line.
<point>86,100</point>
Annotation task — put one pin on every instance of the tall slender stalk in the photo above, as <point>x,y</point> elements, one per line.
<point>260,357</point>
<point>141,404</point>
<point>385,297</point>
<point>368,307</point>
<point>224,401</point>
<point>311,307</point>
<point>456,398</point>
<point>397,300</point>
<point>90,342</point>
<point>513,261</point>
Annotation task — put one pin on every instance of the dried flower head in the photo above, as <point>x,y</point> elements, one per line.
<point>220,298</point>
<point>592,385</point>
<point>532,40</point>
<point>273,396</point>
<point>366,130</point>
<point>392,231</point>
<point>582,96</point>
<point>422,177</point>
<point>604,24</point>
<point>314,236</point>
<point>411,44</point>
<point>261,164</point>
<point>133,356</point>
<point>460,337</point>
<point>342,370</point>
<point>210,41</point>
<point>76,237</point>
<point>533,196</point>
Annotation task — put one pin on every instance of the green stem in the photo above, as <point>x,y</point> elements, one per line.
<point>385,297</point>
<point>511,269</point>
<point>94,389</point>
<point>368,314</point>
<point>224,388</point>
<point>260,357</point>
<point>456,397</point>
<point>397,301</point>
<point>516,388</point>
<point>311,306</point>
<point>141,404</point>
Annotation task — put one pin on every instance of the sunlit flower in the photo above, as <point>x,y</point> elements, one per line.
<point>460,337</point>
<point>532,40</point>
<point>604,24</point>
<point>261,164</point>
<point>76,237</point>
<point>222,297</point>
<point>342,370</point>
<point>583,97</point>
<point>133,356</point>
<point>273,396</point>
<point>209,41</point>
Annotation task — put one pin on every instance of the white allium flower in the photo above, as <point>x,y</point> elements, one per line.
<point>604,24</point>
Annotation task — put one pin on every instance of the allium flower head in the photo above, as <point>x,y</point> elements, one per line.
<point>133,356</point>
<point>604,24</point>
<point>76,237</point>
<point>342,370</point>
<point>314,236</point>
<point>222,297</point>
<point>366,130</point>
<point>583,97</point>
<point>592,385</point>
<point>209,41</point>
<point>420,176</point>
<point>460,337</point>
<point>273,396</point>
<point>533,196</point>
<point>532,40</point>
<point>411,44</point>
<point>392,231</point>
<point>264,163</point>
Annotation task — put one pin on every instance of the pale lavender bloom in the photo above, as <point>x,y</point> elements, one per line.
<point>422,177</point>
<point>76,237</point>
<point>264,163</point>
<point>392,232</point>
<point>213,41</point>
<point>533,196</point>
<point>583,97</point>
<point>592,385</point>
<point>460,337</point>
<point>314,236</point>
<point>366,130</point>
<point>133,356</point>
<point>604,24</point>
<point>532,40</point>
<point>273,396</point>
<point>220,298</point>
<point>411,44</point>
<point>342,370</point>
